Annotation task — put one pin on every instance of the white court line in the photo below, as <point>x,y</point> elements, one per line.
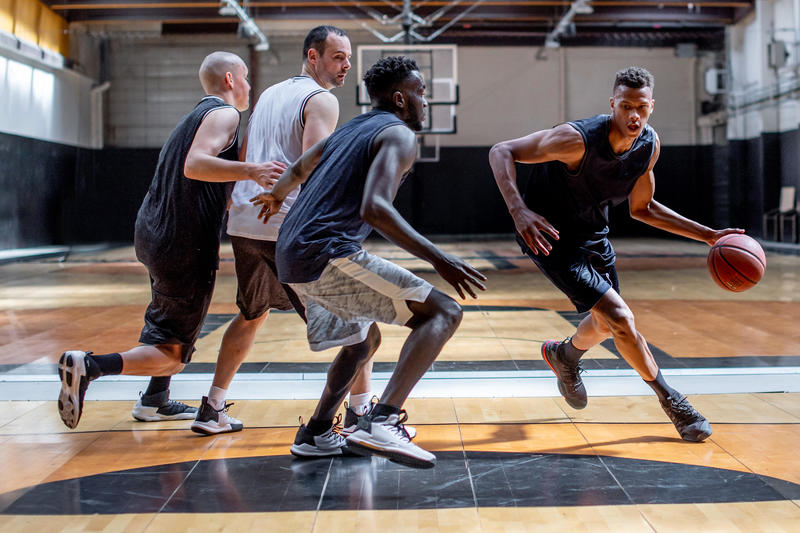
<point>505,384</point>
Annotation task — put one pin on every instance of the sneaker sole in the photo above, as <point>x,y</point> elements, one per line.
<point>561,389</point>
<point>311,452</point>
<point>395,456</point>
<point>70,403</point>
<point>163,418</point>
<point>203,429</point>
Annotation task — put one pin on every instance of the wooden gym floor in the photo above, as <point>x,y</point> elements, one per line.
<point>512,456</point>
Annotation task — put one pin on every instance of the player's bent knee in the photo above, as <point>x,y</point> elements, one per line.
<point>622,324</point>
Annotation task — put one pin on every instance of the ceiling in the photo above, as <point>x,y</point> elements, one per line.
<point>483,22</point>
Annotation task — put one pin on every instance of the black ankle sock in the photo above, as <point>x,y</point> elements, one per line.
<point>660,387</point>
<point>569,353</point>
<point>382,409</point>
<point>157,384</point>
<point>103,365</point>
<point>318,427</point>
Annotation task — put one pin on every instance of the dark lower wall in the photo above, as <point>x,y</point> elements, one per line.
<point>56,194</point>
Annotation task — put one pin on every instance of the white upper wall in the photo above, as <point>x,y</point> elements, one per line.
<point>44,103</point>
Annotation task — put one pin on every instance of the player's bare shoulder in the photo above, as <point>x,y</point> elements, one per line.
<point>566,144</point>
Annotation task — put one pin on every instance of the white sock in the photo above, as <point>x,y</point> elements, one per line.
<point>216,397</point>
<point>359,403</point>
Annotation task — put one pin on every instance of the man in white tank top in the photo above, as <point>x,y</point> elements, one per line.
<point>289,118</point>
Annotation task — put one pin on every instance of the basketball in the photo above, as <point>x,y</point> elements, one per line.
<point>736,262</point>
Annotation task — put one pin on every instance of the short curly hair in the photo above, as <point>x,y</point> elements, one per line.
<point>383,77</point>
<point>634,78</point>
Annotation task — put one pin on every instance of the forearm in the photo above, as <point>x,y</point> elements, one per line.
<point>203,167</point>
<point>501,161</point>
<point>661,217</point>
<point>388,222</point>
<point>289,181</point>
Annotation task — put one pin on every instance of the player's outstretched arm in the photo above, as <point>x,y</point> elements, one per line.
<point>395,150</point>
<point>215,134</point>
<point>562,143</point>
<point>645,208</point>
<point>294,176</point>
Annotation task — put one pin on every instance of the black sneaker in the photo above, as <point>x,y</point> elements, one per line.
<point>329,444</point>
<point>691,425</point>
<point>210,421</point>
<point>158,407</point>
<point>570,384</point>
<point>74,382</point>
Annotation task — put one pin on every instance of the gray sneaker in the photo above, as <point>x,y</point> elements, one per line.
<point>570,384</point>
<point>691,425</point>
<point>158,407</point>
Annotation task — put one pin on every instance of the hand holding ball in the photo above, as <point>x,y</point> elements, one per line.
<point>736,262</point>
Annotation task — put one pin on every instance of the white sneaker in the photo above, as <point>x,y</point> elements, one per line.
<point>158,407</point>
<point>210,421</point>
<point>74,381</point>
<point>387,437</point>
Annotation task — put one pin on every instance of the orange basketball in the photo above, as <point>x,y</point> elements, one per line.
<point>736,262</point>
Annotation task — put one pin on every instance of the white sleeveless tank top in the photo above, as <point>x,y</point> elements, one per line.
<point>275,133</point>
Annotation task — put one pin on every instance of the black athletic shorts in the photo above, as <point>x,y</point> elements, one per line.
<point>178,307</point>
<point>584,270</point>
<point>257,277</point>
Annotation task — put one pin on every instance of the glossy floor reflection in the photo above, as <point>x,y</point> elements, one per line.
<point>505,464</point>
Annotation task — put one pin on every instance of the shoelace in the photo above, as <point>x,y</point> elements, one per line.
<point>337,423</point>
<point>398,426</point>
<point>224,408</point>
<point>682,408</point>
<point>575,375</point>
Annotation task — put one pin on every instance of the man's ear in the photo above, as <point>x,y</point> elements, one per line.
<point>312,56</point>
<point>228,79</point>
<point>398,99</point>
<point>611,102</point>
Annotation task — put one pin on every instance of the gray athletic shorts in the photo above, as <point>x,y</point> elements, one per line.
<point>352,293</point>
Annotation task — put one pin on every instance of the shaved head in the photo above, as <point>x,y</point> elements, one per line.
<point>214,67</point>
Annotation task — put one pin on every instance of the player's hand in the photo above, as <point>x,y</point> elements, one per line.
<point>460,275</point>
<point>267,174</point>
<point>532,228</point>
<point>269,205</point>
<point>720,233</point>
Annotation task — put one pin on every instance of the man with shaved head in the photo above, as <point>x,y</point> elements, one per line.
<point>177,238</point>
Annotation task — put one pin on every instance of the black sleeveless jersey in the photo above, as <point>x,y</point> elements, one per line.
<point>577,203</point>
<point>180,220</point>
<point>325,221</point>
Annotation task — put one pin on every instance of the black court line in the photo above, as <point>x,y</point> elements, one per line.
<point>280,483</point>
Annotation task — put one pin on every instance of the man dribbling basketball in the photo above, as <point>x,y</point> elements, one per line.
<point>582,168</point>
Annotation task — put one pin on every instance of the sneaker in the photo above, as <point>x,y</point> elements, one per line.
<point>74,381</point>
<point>387,437</point>
<point>570,384</point>
<point>210,421</point>
<point>158,407</point>
<point>691,425</point>
<point>351,422</point>
<point>329,444</point>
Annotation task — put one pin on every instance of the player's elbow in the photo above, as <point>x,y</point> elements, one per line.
<point>373,213</point>
<point>641,213</point>
<point>500,152</point>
